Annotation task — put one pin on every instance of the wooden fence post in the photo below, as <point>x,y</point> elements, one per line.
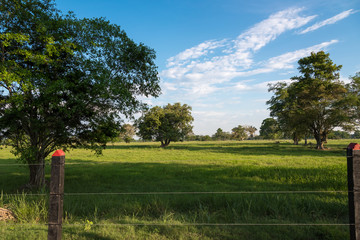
<point>56,195</point>
<point>353,165</point>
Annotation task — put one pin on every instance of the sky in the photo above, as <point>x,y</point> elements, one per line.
<point>218,56</point>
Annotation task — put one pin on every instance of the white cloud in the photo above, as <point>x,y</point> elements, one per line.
<point>328,21</point>
<point>240,86</point>
<point>207,114</point>
<point>194,52</point>
<point>199,87</point>
<point>267,30</point>
<point>285,61</point>
<point>169,86</point>
<point>201,67</point>
<point>202,89</point>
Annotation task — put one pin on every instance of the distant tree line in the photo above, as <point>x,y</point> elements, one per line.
<point>238,133</point>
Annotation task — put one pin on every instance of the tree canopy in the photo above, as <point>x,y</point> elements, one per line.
<point>316,100</point>
<point>166,124</point>
<point>65,82</point>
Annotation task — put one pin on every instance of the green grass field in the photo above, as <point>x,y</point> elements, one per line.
<point>265,176</point>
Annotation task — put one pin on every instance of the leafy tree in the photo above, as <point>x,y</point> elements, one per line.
<point>269,129</point>
<point>166,124</point>
<point>221,135</point>
<point>65,81</point>
<point>238,133</point>
<point>127,132</point>
<point>316,100</point>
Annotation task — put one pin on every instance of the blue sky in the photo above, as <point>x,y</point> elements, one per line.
<point>219,55</point>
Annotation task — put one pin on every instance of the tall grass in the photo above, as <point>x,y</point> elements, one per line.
<point>140,169</point>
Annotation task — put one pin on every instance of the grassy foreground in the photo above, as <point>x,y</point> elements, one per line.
<point>153,177</point>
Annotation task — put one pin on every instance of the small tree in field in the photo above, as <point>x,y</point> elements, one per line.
<point>166,124</point>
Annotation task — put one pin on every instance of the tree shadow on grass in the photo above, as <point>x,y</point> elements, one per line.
<point>242,148</point>
<point>132,146</point>
<point>81,233</point>
<point>145,187</point>
<point>217,207</point>
<point>159,177</point>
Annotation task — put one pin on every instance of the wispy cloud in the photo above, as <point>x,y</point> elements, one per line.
<point>328,21</point>
<point>194,52</point>
<point>199,69</point>
<point>281,62</point>
<point>285,61</point>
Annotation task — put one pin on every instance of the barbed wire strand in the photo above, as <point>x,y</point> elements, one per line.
<point>68,162</point>
<point>179,193</point>
<point>183,224</point>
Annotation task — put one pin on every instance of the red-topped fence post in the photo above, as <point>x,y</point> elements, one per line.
<point>56,195</point>
<point>353,166</point>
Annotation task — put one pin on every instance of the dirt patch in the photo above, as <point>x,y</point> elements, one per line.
<point>6,215</point>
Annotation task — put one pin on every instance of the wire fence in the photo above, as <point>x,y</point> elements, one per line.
<point>181,193</point>
<point>168,224</point>
<point>186,224</point>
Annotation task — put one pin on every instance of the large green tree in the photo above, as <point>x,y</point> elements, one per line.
<point>65,82</point>
<point>166,124</point>
<point>316,100</point>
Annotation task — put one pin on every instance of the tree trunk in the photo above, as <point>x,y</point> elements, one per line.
<point>165,143</point>
<point>324,137</point>
<point>296,140</point>
<point>306,143</point>
<point>319,142</point>
<point>37,174</point>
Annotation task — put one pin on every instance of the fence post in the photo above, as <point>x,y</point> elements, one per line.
<point>56,195</point>
<point>353,166</point>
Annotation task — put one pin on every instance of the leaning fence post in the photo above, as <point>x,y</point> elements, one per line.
<point>353,166</point>
<point>56,195</point>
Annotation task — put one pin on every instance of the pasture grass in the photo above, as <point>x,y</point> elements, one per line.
<point>153,177</point>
